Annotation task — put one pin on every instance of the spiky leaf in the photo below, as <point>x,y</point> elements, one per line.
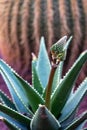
<point>33,96</point>
<point>67,43</point>
<point>36,83</point>
<point>13,121</point>
<point>63,90</point>
<point>26,93</point>
<point>43,64</point>
<point>57,76</point>
<point>5,99</point>
<point>74,101</point>
<point>15,87</point>
<point>15,115</point>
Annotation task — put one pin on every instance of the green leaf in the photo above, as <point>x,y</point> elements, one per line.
<point>15,115</point>
<point>28,96</point>
<point>5,99</point>
<point>67,43</point>
<point>32,95</point>
<point>57,76</point>
<point>74,101</point>
<point>13,121</point>
<point>35,79</point>
<point>63,90</point>
<point>15,88</point>
<point>77,121</point>
<point>43,64</point>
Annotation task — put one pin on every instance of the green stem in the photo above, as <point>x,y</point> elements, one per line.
<point>49,86</point>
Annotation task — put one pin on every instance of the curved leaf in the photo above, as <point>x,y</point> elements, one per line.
<point>67,43</point>
<point>5,99</point>
<point>57,76</point>
<point>15,88</point>
<point>15,115</point>
<point>74,101</point>
<point>63,90</point>
<point>13,121</point>
<point>35,79</point>
<point>27,95</point>
<point>43,64</point>
<point>32,95</point>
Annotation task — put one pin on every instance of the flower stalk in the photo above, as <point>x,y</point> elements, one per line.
<point>49,86</point>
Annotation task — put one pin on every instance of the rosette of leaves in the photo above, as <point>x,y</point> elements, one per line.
<point>49,103</point>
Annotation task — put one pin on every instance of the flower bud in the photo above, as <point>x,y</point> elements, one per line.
<point>57,50</point>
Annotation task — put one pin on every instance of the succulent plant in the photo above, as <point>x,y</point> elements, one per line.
<point>49,103</point>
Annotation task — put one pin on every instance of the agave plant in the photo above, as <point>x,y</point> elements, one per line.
<point>49,103</point>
